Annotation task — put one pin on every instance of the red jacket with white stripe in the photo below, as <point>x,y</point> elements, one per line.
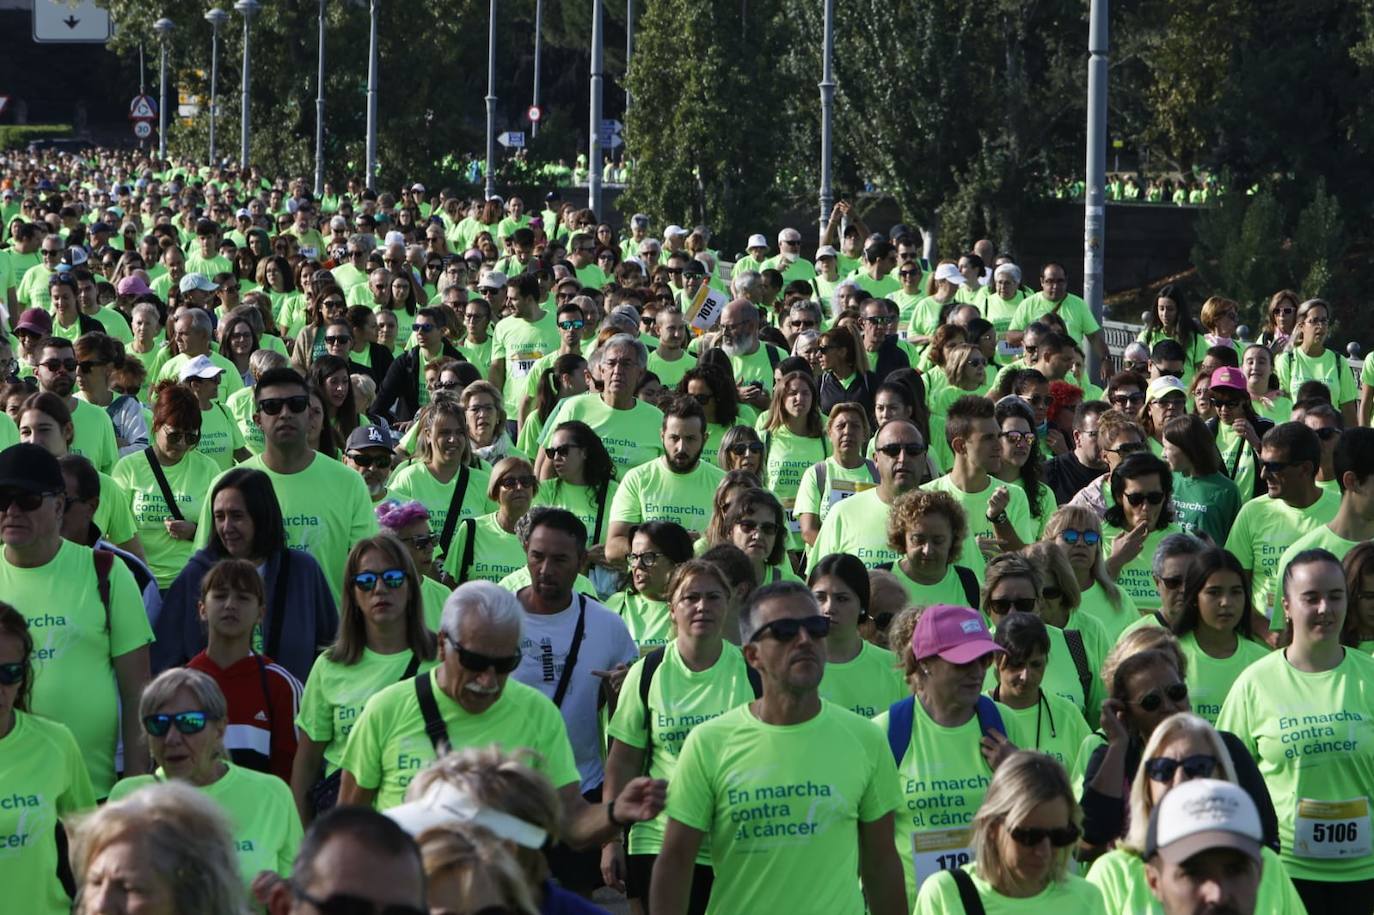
<point>263,701</point>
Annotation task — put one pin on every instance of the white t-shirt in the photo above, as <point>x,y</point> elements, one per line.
<point>544,647</point>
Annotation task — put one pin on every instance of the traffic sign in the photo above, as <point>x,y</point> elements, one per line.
<point>610,133</point>
<point>535,114</point>
<point>70,21</point>
<point>143,129</point>
<point>512,138</point>
<point>143,108</point>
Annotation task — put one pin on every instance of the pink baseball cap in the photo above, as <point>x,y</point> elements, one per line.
<point>955,634</point>
<point>1228,377</point>
<point>132,285</point>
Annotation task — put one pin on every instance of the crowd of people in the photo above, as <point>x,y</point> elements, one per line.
<point>406,553</point>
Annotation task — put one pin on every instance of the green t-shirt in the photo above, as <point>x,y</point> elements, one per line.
<point>433,595</point>
<point>1312,736</point>
<point>1293,367</point>
<point>114,516</point>
<point>647,619</point>
<point>1322,538</point>
<point>1095,603</point>
<point>1078,317</point>
<point>786,457</point>
<point>521,344</point>
<point>975,505</point>
<point>998,310</point>
<point>582,501</point>
<point>1054,725</point>
<point>262,814</point>
<point>479,354</point>
<point>388,746</point>
<point>1206,505</point>
<point>1209,679</point>
<point>416,481</point>
<point>220,435</point>
<point>670,373</point>
<point>1263,530</point>
<point>115,324</point>
<point>335,694</point>
<point>857,525</point>
<point>94,436</point>
<point>326,528</point>
<point>693,697</point>
<point>868,684</point>
<point>948,590</point>
<point>74,681</point>
<point>1120,876</point>
<point>655,492</point>
<point>782,805</point>
<point>758,365</point>
<point>1136,577</point>
<point>495,553</point>
<point>229,382</point>
<point>940,896</point>
<point>45,781</point>
<point>189,480</point>
<point>942,777</point>
<point>631,436</point>
<point>240,406</point>
<point>840,484</point>
<point>1237,462</point>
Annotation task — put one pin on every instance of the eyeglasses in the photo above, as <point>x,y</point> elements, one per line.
<point>786,629</point>
<point>673,271</point>
<point>379,461</point>
<point>1071,536</point>
<point>480,408</point>
<point>296,403</point>
<point>1126,448</point>
<point>578,324</point>
<point>27,501</point>
<point>1018,438</point>
<point>648,559</point>
<point>742,448</point>
<point>1050,592</point>
<point>12,673</point>
<point>1163,769</point>
<point>338,340</point>
<point>367,581</point>
<point>446,386</point>
<point>185,722</point>
<point>49,252</point>
<point>63,365</point>
<point>422,327</point>
<point>334,303</point>
<point>876,320</point>
<point>767,528</point>
<point>558,451</point>
<point>1004,605</point>
<point>181,438</point>
<point>521,482</point>
<point>1317,322</point>
<point>1137,499</point>
<point>895,450</point>
<point>1172,582</point>
<point>345,904</point>
<point>1031,836</point>
<point>1284,310</point>
<point>801,323</point>
<point>1151,701</point>
<point>421,541</point>
<point>1224,403</point>
<point>1122,400</point>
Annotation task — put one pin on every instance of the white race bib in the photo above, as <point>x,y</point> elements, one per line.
<point>793,522</point>
<point>521,361</point>
<point>1332,829</point>
<point>843,489</point>
<point>940,850</point>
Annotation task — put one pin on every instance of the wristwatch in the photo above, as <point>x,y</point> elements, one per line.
<point>999,518</point>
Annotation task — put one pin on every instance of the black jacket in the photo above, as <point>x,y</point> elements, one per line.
<point>1065,475</point>
<point>399,395</point>
<point>862,390</point>
<point>380,358</point>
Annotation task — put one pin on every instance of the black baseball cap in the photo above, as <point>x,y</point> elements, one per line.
<point>30,468</point>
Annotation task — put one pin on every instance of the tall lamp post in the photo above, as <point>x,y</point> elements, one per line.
<point>490,190</point>
<point>372,64</point>
<point>629,47</point>
<point>246,8</point>
<point>594,128</point>
<point>1095,209</point>
<point>319,115</point>
<point>538,46</point>
<point>163,28</point>
<point>827,87</point>
<point>216,17</point>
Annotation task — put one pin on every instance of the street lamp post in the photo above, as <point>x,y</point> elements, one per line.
<point>827,87</point>
<point>491,103</point>
<point>538,47</point>
<point>216,17</point>
<point>246,8</point>
<point>319,115</point>
<point>372,65</point>
<point>163,28</point>
<point>594,127</point>
<point>629,47</point>
<point>1095,209</point>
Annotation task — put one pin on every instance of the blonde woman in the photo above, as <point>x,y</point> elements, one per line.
<point>1078,530</point>
<point>469,869</point>
<point>1061,599</point>
<point>1182,748</point>
<point>1023,839</point>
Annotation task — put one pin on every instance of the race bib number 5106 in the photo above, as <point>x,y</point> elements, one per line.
<point>1332,829</point>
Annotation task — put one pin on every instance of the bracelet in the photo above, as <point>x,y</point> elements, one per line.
<point>610,815</point>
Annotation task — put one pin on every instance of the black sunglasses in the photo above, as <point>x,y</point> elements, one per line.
<point>477,662</point>
<point>378,461</point>
<point>1031,836</point>
<point>557,451</point>
<point>743,448</point>
<point>1151,701</point>
<point>1138,499</point>
<point>346,904</point>
<point>1002,606</point>
<point>1162,768</point>
<point>767,528</point>
<point>296,403</point>
<point>896,449</point>
<point>27,501</point>
<point>786,629</point>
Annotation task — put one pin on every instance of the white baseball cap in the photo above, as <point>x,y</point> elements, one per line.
<point>199,367</point>
<point>493,280</point>
<point>949,272</point>
<point>1200,815</point>
<point>757,241</point>
<point>826,251</point>
<point>674,230</point>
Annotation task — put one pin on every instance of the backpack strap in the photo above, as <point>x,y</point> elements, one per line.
<point>968,893</point>
<point>455,507</point>
<point>104,564</point>
<point>970,583</point>
<point>1074,639</point>
<point>468,546</point>
<point>989,719</point>
<point>872,471</point>
<point>649,666</point>
<point>820,479</point>
<point>435,728</point>
<point>162,484</point>
<point>579,632</point>
<point>773,357</point>
<point>899,715</point>
<point>412,668</point>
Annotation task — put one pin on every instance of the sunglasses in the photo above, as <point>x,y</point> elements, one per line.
<point>1031,836</point>
<point>90,365</point>
<point>1019,438</point>
<point>367,581</point>
<point>1050,592</point>
<point>1224,403</point>
<point>379,461</point>
<point>647,559</point>
<point>578,324</point>
<point>66,365</point>
<point>1002,606</point>
<point>1128,399</point>
<point>27,501</point>
<point>558,451</point>
<point>1071,536</point>
<point>520,482</point>
<point>445,386</point>
<point>478,662</point>
<point>1126,448</point>
<point>767,528</point>
<point>703,399</point>
<point>786,629</point>
<point>296,403</point>
<point>338,339</point>
<point>345,904</point>
<point>1138,499</point>
<point>896,449</point>
<point>1162,768</point>
<point>422,327</point>
<point>185,722</point>
<point>421,541</point>
<point>10,674</point>
<point>182,438</point>
<point>1151,701</point>
<point>743,448</point>
<point>1273,468</point>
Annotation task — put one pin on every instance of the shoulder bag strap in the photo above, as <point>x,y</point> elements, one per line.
<point>162,484</point>
<point>104,564</point>
<point>968,893</point>
<point>652,661</point>
<point>579,631</point>
<point>468,546</point>
<point>277,611</point>
<point>412,668</point>
<point>1074,639</point>
<point>435,728</point>
<point>872,471</point>
<point>970,584</point>
<point>600,514</point>
<point>455,507</point>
